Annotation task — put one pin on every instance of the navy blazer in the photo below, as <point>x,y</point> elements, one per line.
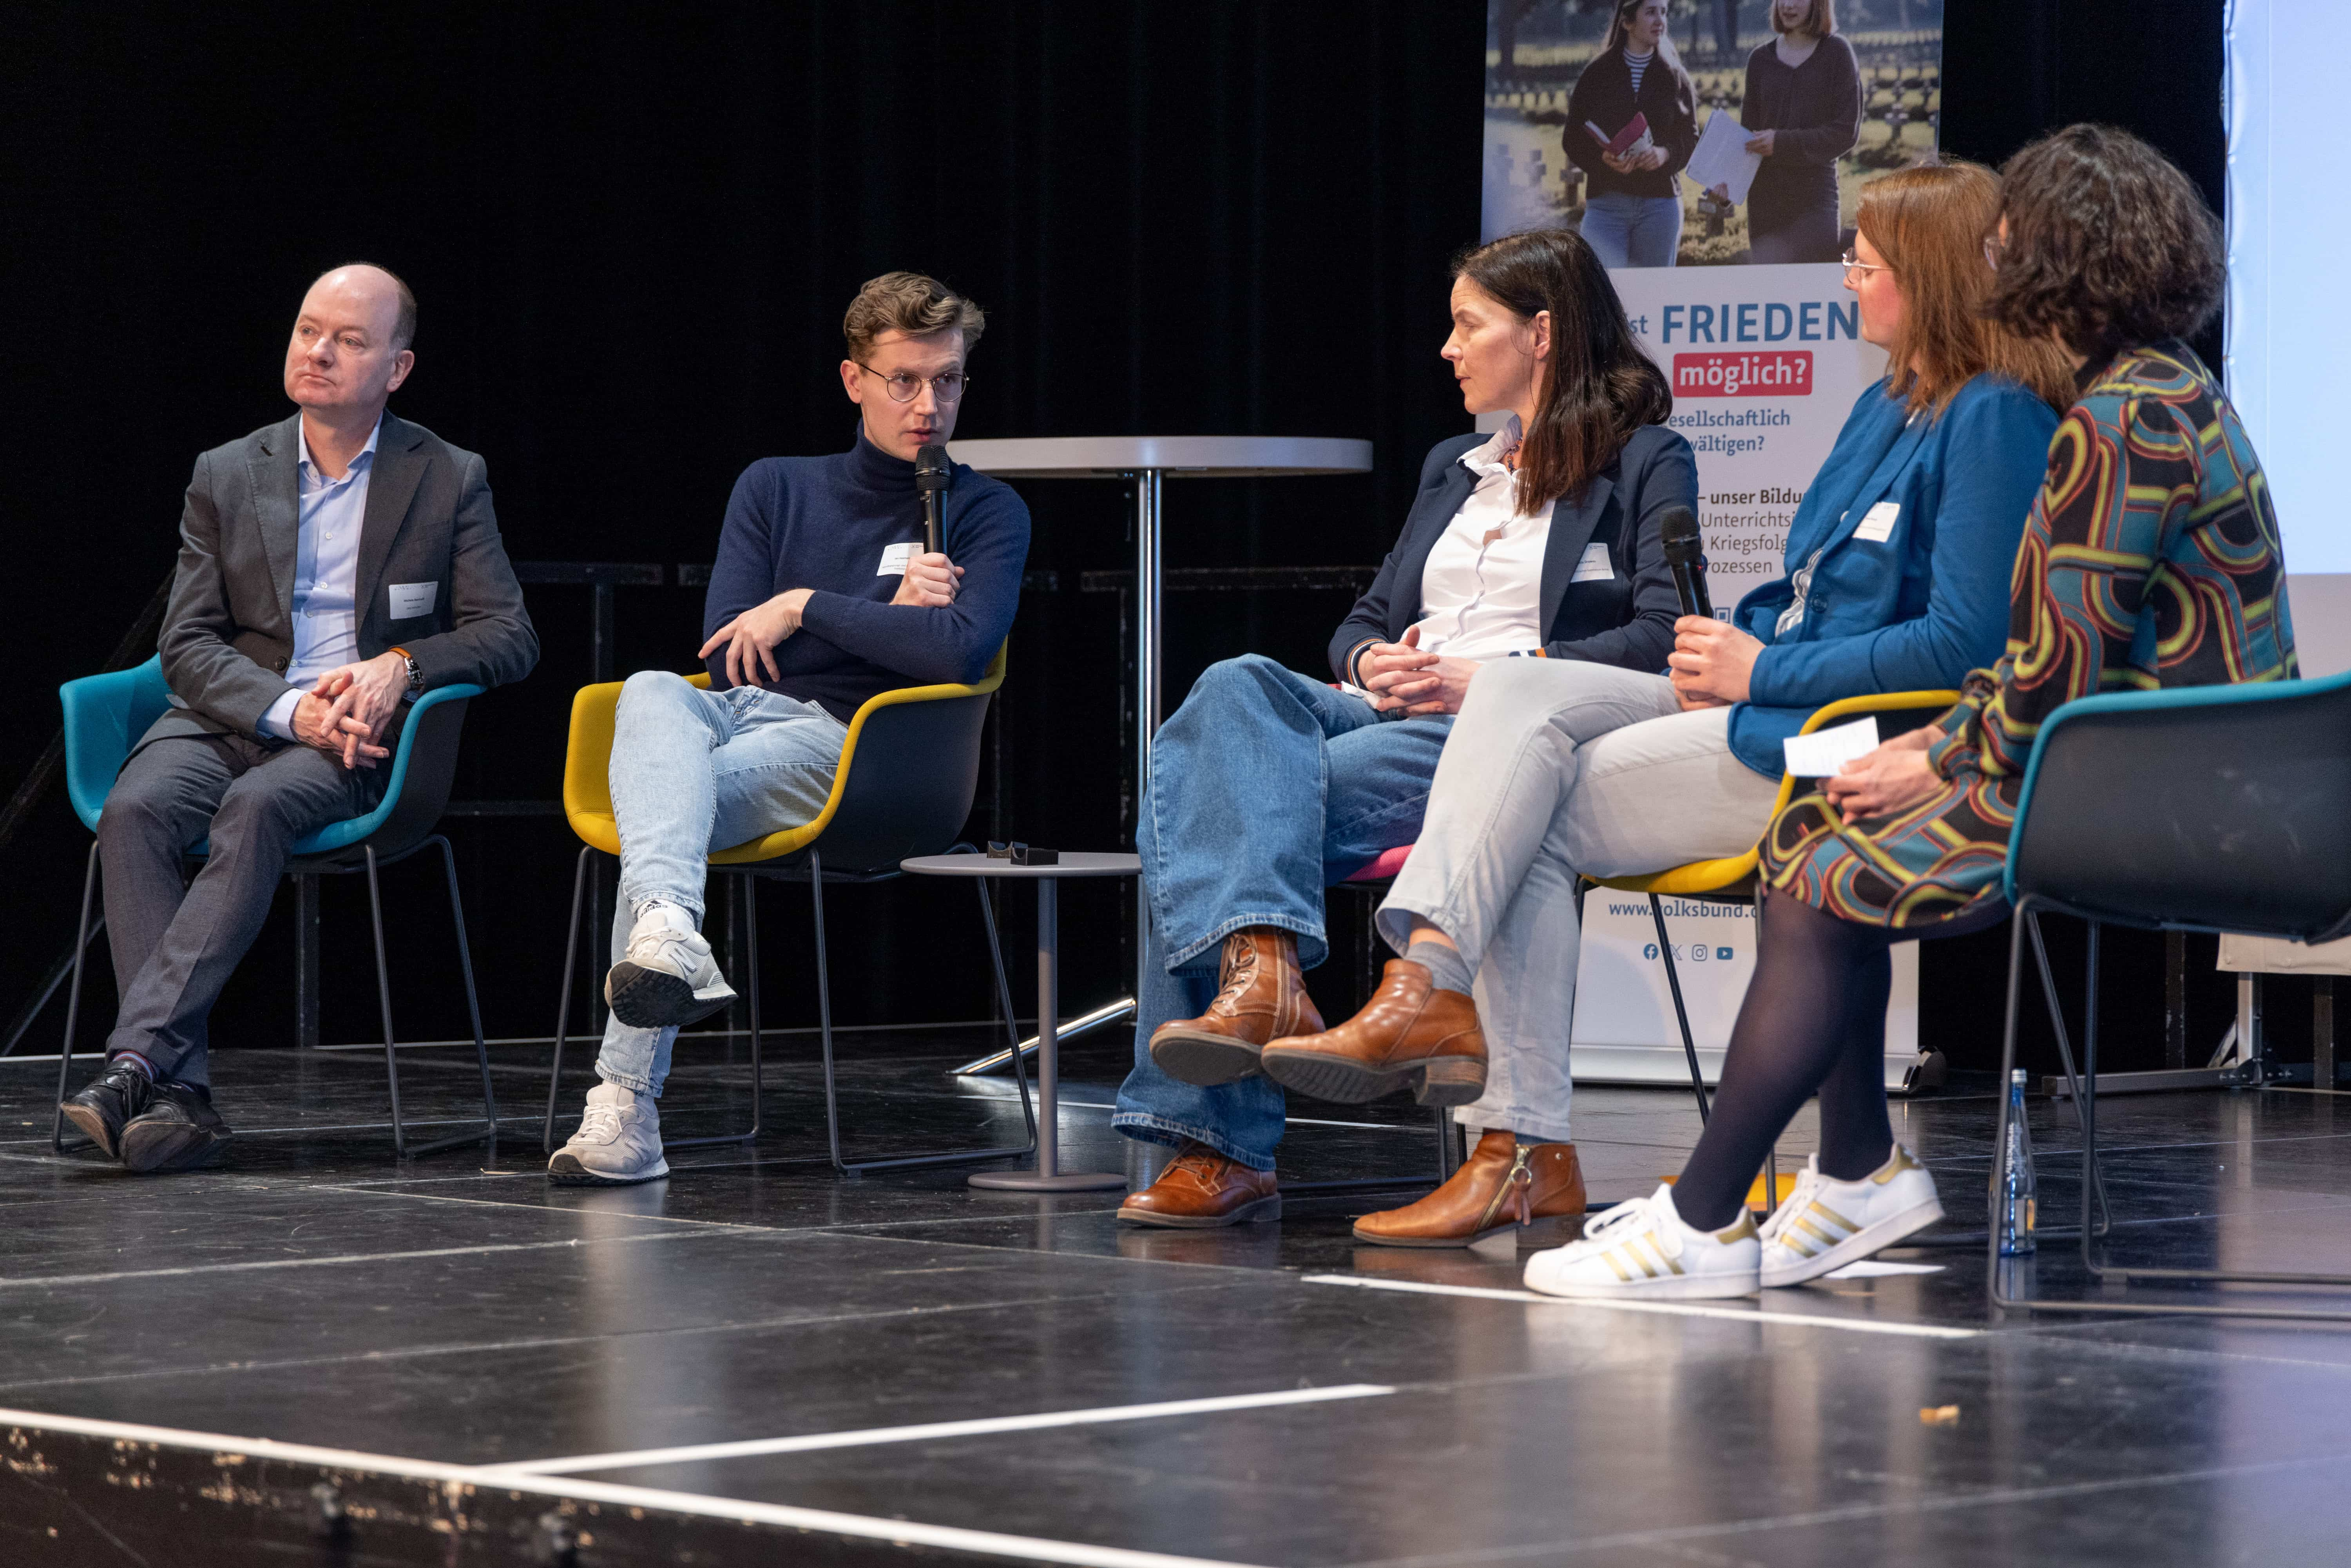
<point>1916,599</point>
<point>1627,621</point>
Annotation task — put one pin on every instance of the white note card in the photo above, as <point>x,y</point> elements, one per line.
<point>1594,567</point>
<point>1877,523</point>
<point>1721,157</point>
<point>894,559</point>
<point>410,599</point>
<point>1824,753</point>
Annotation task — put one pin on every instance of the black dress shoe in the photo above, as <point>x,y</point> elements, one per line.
<point>177,1131</point>
<point>120,1091</point>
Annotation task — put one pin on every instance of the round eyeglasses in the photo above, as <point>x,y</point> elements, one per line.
<point>905,387</point>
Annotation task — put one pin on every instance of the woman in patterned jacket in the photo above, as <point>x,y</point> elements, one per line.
<point>2151,559</point>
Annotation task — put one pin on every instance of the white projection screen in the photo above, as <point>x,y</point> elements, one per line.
<point>2289,329</point>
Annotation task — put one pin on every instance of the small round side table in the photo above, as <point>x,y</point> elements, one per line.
<point>1048,1176</point>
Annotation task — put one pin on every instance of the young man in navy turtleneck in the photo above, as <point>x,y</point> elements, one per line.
<point>820,598</point>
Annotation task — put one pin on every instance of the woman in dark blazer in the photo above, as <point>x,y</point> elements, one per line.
<point>1896,571</point>
<point>1632,208</point>
<point>1802,107</point>
<point>2150,560</point>
<point>1267,785</point>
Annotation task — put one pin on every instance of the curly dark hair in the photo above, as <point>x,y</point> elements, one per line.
<point>1597,386</point>
<point>2109,246</point>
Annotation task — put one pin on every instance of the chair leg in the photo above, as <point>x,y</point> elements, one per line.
<point>1004,1000</point>
<point>383,999</point>
<point>1681,1013</point>
<point>750,978</point>
<point>489,1130</point>
<point>73,1001</point>
<point>563,1007</point>
<point>2065,1056</point>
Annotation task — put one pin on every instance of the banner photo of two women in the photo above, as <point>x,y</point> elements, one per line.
<point>1601,116</point>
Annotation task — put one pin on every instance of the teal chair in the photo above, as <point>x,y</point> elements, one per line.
<point>105,716</point>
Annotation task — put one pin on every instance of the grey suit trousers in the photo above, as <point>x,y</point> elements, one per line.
<point>175,944</point>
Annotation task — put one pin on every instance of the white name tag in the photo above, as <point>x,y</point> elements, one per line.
<point>1877,523</point>
<point>893,560</point>
<point>1594,567</point>
<point>1824,753</point>
<point>410,599</point>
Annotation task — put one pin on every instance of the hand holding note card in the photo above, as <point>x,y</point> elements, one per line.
<point>1824,753</point>
<point>1722,158</point>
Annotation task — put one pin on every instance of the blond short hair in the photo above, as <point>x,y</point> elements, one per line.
<point>911,303</point>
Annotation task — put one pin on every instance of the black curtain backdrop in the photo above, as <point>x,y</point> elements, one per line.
<point>633,230</point>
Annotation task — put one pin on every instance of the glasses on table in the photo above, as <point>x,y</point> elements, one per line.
<point>905,386</point>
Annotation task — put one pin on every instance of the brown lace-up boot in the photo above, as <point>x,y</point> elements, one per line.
<point>1504,1185</point>
<point>1263,997</point>
<point>1201,1190</point>
<point>1410,1032</point>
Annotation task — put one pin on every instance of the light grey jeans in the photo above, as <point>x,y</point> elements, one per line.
<point>694,771</point>
<point>1557,769</point>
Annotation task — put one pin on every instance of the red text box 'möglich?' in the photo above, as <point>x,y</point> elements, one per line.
<point>1786,372</point>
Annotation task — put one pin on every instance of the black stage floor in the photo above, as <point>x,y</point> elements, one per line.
<point>757,1362</point>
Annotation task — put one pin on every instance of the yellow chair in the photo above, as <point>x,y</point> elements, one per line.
<point>908,771</point>
<point>1733,877</point>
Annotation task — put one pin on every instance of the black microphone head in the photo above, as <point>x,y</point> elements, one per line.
<point>1678,530</point>
<point>930,468</point>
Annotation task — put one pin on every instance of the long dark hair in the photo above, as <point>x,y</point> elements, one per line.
<point>1597,386</point>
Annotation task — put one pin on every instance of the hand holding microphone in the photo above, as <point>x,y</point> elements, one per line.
<point>1712,660</point>
<point>930,579</point>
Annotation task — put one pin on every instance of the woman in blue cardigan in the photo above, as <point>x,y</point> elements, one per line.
<point>1896,574</point>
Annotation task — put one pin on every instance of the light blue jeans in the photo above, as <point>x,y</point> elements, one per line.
<point>694,771</point>
<point>1634,231</point>
<point>1266,787</point>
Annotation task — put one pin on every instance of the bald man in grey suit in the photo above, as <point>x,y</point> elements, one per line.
<point>333,567</point>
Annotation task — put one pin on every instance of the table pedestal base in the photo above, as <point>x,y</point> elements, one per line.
<point>1032,1181</point>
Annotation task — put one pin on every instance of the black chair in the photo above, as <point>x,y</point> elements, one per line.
<point>908,772</point>
<point>2223,808</point>
<point>105,715</point>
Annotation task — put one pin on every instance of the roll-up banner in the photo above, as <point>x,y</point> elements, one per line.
<point>1713,152</point>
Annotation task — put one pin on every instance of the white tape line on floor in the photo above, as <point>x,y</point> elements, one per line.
<point>873,1435</point>
<point>1662,1309</point>
<point>1023,1548</point>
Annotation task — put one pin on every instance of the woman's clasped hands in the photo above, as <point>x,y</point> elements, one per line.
<point>1403,676</point>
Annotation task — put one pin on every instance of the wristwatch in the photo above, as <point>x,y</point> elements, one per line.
<point>415,675</point>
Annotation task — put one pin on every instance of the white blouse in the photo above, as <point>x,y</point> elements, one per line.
<point>1481,589</point>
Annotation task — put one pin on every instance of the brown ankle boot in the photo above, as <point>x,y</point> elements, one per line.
<point>1503,1186</point>
<point>1264,998</point>
<point>1202,1190</point>
<point>1409,1032</point>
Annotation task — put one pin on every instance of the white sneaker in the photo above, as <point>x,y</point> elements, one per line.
<point>1826,1224</point>
<point>619,1142</point>
<point>1642,1249</point>
<point>668,976</point>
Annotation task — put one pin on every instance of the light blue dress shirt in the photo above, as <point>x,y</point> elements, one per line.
<point>325,575</point>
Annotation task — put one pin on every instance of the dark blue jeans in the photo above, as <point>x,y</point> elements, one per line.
<point>1266,787</point>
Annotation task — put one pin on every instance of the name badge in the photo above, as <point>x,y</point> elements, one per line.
<point>1877,523</point>
<point>1594,567</point>
<point>893,560</point>
<point>410,599</point>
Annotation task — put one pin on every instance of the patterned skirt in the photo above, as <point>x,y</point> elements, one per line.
<point>1937,862</point>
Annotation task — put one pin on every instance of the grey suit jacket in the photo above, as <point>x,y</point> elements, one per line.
<point>228,634</point>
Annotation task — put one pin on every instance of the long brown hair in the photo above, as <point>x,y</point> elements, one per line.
<point>1597,387</point>
<point>1929,222</point>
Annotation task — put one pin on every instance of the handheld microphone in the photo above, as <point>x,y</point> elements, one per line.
<point>931,474</point>
<point>1685,554</point>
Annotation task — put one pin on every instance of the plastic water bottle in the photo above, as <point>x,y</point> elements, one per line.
<point>2017,1186</point>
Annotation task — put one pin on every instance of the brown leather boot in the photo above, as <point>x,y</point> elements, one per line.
<point>1409,1031</point>
<point>1504,1185</point>
<point>1200,1191</point>
<point>1263,997</point>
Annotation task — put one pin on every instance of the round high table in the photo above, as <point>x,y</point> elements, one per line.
<point>1048,1176</point>
<point>1149,461</point>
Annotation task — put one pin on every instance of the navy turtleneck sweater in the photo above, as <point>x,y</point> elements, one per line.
<point>823,523</point>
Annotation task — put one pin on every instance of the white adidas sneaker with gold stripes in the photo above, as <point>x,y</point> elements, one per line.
<point>1826,1224</point>
<point>1642,1249</point>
